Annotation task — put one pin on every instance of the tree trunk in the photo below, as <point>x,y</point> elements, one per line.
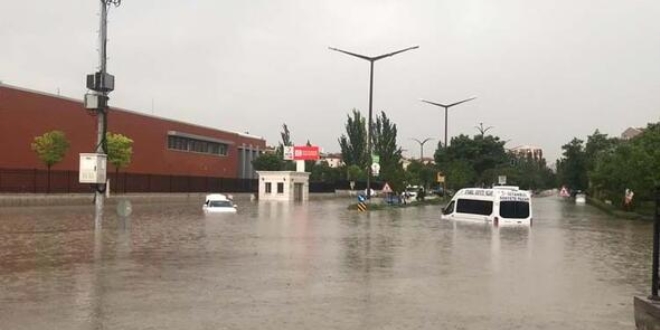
<point>116,179</point>
<point>48,179</point>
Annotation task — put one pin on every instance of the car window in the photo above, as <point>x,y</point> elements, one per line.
<point>514,209</point>
<point>220,204</point>
<point>474,206</point>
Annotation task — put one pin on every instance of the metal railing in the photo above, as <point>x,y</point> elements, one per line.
<point>38,181</point>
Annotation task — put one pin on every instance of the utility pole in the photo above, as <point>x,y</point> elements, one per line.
<point>483,130</point>
<point>421,147</point>
<point>371,60</point>
<point>101,83</point>
<point>447,106</point>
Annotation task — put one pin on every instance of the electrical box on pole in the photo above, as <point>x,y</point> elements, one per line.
<point>92,168</point>
<point>101,82</point>
<point>95,101</point>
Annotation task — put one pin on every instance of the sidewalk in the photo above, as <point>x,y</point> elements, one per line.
<point>29,200</point>
<point>612,210</point>
<point>22,200</point>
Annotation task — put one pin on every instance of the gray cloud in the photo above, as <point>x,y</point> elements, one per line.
<point>544,71</point>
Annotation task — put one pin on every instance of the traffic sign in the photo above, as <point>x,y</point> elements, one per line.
<point>440,178</point>
<point>375,158</point>
<point>501,179</point>
<point>375,169</point>
<point>386,188</point>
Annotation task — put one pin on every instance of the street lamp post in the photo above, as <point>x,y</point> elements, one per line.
<point>447,106</point>
<point>101,83</point>
<point>421,147</point>
<point>371,90</point>
<point>483,130</point>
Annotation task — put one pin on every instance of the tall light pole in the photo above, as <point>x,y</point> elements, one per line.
<point>101,83</point>
<point>421,147</point>
<point>447,106</point>
<point>483,130</point>
<point>371,90</point>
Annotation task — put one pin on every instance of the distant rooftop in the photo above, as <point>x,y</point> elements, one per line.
<point>525,147</point>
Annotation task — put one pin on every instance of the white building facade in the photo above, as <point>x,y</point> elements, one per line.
<point>283,186</point>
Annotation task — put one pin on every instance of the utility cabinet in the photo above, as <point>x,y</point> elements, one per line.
<point>92,168</point>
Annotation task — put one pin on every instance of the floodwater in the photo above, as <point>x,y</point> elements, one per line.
<point>318,266</point>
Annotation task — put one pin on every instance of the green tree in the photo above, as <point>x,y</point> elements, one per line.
<point>51,148</point>
<point>384,144</point>
<point>459,174</point>
<point>354,144</point>
<point>482,155</point>
<point>420,174</point>
<point>633,164</point>
<point>323,172</point>
<point>597,145</point>
<point>286,135</point>
<point>268,162</point>
<point>354,173</point>
<point>572,168</point>
<point>527,173</point>
<point>286,141</point>
<point>120,150</point>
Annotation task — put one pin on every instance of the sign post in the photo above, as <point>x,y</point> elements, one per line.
<point>501,179</point>
<point>440,177</point>
<point>375,169</point>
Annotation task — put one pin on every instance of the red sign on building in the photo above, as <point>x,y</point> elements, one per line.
<point>306,153</point>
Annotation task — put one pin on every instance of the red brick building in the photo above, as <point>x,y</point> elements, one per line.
<point>161,146</point>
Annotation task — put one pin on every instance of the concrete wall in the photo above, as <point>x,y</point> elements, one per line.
<point>647,314</point>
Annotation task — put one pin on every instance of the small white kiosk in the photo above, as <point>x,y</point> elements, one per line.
<point>283,186</point>
<point>288,185</point>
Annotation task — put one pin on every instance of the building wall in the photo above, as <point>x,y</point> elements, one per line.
<point>288,179</point>
<point>631,132</point>
<point>25,114</point>
<point>528,151</point>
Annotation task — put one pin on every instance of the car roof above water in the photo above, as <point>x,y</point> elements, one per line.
<point>217,197</point>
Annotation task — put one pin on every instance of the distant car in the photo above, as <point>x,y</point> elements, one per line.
<point>438,191</point>
<point>411,192</point>
<point>219,203</point>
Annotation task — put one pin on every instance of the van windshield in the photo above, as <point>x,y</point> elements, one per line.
<point>514,210</point>
<point>474,206</point>
<point>449,209</point>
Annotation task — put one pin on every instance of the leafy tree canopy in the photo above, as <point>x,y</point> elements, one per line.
<point>572,168</point>
<point>384,134</point>
<point>354,143</point>
<point>268,162</point>
<point>51,147</point>
<point>120,150</point>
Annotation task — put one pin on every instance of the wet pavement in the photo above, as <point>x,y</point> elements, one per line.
<point>318,266</point>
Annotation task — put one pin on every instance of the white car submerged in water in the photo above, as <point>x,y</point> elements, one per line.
<point>501,205</point>
<point>219,203</point>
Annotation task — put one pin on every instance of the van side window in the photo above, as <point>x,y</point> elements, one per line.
<point>474,206</point>
<point>449,209</point>
<point>514,210</point>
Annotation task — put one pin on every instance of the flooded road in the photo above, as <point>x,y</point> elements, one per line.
<point>318,266</point>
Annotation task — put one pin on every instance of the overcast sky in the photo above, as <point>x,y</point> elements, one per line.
<point>543,71</point>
